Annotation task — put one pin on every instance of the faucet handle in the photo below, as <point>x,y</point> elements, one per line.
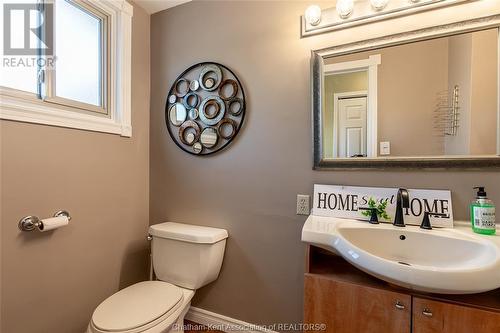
<point>426,222</point>
<point>373,214</point>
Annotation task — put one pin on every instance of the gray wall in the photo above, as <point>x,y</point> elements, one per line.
<point>52,282</point>
<point>250,188</point>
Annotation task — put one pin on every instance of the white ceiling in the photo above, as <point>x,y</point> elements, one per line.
<point>154,6</point>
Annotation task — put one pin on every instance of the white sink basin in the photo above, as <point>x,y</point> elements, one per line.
<point>449,261</point>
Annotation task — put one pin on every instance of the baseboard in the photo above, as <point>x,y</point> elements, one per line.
<point>215,321</point>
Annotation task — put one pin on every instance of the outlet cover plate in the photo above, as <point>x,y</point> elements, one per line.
<point>303,201</point>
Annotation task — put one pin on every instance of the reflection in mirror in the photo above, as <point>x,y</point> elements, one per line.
<point>346,101</point>
<point>437,97</point>
<point>208,137</point>
<point>177,114</point>
<point>197,148</point>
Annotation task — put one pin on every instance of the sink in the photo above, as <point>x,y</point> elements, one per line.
<point>448,261</point>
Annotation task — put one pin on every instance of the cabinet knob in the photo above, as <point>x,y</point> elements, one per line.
<point>399,305</point>
<point>426,312</point>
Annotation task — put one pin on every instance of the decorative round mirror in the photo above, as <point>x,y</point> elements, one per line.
<point>205,108</point>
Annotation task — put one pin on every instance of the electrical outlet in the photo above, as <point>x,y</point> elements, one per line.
<point>385,148</point>
<point>302,204</point>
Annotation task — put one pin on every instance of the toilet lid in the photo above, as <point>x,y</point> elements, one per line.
<point>136,306</point>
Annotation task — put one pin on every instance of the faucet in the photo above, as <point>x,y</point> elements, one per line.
<point>402,201</point>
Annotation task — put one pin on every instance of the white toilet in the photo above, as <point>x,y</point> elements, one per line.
<point>185,258</point>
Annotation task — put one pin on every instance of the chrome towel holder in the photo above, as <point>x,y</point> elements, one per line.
<point>31,222</point>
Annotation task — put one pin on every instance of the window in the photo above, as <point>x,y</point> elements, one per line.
<point>81,57</point>
<point>67,63</point>
<point>22,78</point>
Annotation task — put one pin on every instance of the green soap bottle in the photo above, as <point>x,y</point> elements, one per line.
<point>482,214</point>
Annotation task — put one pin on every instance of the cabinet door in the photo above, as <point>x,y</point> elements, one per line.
<point>349,308</point>
<point>438,317</point>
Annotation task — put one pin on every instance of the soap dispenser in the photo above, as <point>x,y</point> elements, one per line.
<point>482,214</point>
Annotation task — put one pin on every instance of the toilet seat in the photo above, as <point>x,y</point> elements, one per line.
<point>137,308</point>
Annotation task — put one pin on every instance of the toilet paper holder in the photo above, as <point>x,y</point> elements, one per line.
<point>31,222</point>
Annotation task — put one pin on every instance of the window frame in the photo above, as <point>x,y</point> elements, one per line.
<point>49,85</point>
<point>115,115</point>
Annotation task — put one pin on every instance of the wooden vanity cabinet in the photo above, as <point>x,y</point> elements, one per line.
<point>348,308</point>
<point>433,316</point>
<point>347,300</point>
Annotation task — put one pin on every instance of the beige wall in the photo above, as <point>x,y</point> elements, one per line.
<point>473,63</point>
<point>409,78</point>
<point>484,92</point>
<point>52,282</point>
<point>250,188</point>
<point>459,73</point>
<point>335,84</point>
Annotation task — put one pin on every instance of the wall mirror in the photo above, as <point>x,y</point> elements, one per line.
<point>424,99</point>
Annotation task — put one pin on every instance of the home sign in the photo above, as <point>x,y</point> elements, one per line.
<point>346,201</point>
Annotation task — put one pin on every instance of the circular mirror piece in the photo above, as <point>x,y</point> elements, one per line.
<point>193,114</point>
<point>172,99</point>
<point>197,147</point>
<point>185,125</point>
<point>209,83</point>
<point>177,114</point>
<point>178,91</point>
<point>209,137</point>
<point>194,85</point>
<point>235,106</point>
<point>190,101</point>
<point>234,89</point>
<point>227,128</point>
<point>190,138</point>
<point>209,119</point>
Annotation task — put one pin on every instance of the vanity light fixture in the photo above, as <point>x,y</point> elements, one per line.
<point>345,8</point>
<point>313,15</point>
<point>351,13</point>
<point>380,4</point>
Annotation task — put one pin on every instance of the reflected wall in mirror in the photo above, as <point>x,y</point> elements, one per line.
<point>429,99</point>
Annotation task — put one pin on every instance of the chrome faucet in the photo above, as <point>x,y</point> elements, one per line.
<point>402,201</point>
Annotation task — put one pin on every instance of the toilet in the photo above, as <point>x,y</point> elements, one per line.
<point>185,257</point>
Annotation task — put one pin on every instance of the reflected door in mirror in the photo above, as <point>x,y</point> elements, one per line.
<point>352,127</point>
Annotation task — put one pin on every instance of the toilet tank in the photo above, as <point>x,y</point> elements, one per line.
<point>187,255</point>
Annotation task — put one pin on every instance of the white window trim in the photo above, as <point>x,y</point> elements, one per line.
<point>15,106</point>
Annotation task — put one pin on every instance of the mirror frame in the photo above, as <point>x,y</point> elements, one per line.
<point>438,162</point>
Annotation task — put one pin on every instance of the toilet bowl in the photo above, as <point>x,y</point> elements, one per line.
<point>185,258</point>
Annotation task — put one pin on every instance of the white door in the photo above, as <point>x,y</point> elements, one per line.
<point>352,127</point>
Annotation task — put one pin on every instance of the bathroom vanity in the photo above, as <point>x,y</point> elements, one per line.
<point>348,300</point>
<point>382,103</point>
<point>365,277</point>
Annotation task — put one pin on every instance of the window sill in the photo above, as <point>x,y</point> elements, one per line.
<point>15,109</point>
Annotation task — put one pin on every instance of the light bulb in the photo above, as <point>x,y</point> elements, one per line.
<point>379,4</point>
<point>313,15</point>
<point>345,8</point>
